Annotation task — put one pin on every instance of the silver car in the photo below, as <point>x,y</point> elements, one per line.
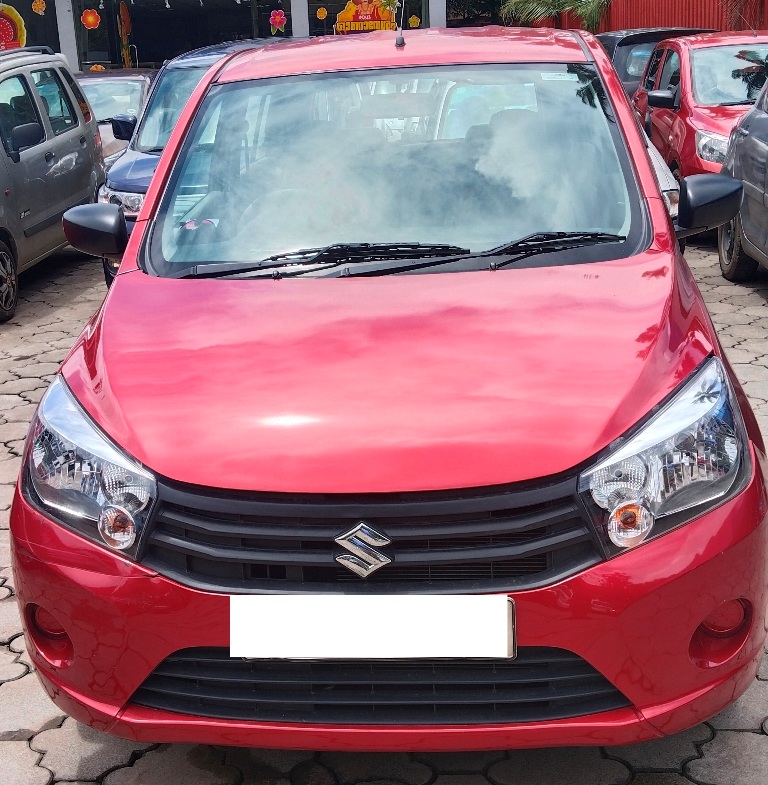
<point>52,160</point>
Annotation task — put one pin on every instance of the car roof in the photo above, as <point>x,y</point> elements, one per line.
<point>118,73</point>
<point>29,54</point>
<point>431,46</point>
<point>642,32</point>
<point>723,39</point>
<point>206,56</point>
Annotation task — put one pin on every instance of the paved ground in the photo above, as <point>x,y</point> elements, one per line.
<point>38,745</point>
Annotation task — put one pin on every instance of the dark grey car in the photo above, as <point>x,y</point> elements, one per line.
<point>743,242</point>
<point>51,160</point>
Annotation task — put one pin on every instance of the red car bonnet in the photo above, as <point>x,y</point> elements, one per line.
<point>382,384</point>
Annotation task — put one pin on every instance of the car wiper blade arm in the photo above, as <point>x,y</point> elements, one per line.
<point>327,256</point>
<point>524,248</point>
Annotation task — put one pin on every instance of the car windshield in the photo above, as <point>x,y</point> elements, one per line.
<point>109,97</point>
<point>172,91</point>
<point>469,156</point>
<point>728,74</point>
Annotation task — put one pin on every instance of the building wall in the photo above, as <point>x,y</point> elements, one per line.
<point>680,13</point>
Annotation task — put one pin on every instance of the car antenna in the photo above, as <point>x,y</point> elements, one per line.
<point>400,41</point>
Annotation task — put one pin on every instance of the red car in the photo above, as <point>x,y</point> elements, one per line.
<point>694,91</point>
<point>403,425</point>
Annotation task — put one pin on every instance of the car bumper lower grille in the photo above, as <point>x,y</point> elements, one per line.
<point>540,684</point>
<point>481,540</point>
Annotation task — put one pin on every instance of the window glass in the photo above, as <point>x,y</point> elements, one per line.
<point>16,107</point>
<point>275,165</point>
<point>724,75</point>
<point>55,100</point>
<point>165,105</point>
<point>82,102</point>
<point>109,97</point>
<point>670,76</point>
<point>637,57</point>
<point>653,69</point>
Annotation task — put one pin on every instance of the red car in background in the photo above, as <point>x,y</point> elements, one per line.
<point>424,439</point>
<point>694,91</point>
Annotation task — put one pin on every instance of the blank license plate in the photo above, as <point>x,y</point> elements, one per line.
<point>342,626</point>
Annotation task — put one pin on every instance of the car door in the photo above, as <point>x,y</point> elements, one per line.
<point>750,164</point>
<point>664,120</point>
<point>648,83</point>
<point>70,178</point>
<point>34,207</point>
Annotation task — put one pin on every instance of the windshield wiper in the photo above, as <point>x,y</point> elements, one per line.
<point>524,248</point>
<point>328,256</point>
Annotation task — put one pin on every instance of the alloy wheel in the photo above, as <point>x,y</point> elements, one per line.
<point>8,282</point>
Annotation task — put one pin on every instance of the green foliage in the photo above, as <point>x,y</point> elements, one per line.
<point>529,11</point>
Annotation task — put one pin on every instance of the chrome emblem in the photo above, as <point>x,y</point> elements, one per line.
<point>362,558</point>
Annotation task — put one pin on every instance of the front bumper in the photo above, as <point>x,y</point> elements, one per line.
<point>632,618</point>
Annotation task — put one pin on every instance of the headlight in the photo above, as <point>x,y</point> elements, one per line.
<point>130,202</point>
<point>77,475</point>
<point>110,160</point>
<point>711,147</point>
<point>691,455</point>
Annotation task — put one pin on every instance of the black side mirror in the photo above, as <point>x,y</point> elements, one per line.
<point>96,229</point>
<point>123,126</point>
<point>662,99</point>
<point>706,202</point>
<point>23,136</point>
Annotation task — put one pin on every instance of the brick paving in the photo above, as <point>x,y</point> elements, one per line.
<point>40,746</point>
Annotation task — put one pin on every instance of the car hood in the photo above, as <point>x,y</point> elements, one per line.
<point>719,119</point>
<point>397,383</point>
<point>132,171</point>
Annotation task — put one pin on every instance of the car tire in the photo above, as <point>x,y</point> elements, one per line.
<point>735,265</point>
<point>9,283</point>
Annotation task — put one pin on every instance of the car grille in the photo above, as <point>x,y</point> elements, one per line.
<point>540,684</point>
<point>453,541</point>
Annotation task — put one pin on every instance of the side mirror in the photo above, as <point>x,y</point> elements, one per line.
<point>123,126</point>
<point>706,202</point>
<point>662,99</point>
<point>96,229</point>
<point>23,136</point>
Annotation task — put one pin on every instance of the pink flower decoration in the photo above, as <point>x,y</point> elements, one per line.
<point>277,21</point>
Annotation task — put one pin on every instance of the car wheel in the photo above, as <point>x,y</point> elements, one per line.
<point>735,265</point>
<point>9,283</point>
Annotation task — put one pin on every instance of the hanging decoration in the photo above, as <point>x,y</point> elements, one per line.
<point>322,13</point>
<point>414,21</point>
<point>277,21</point>
<point>359,16</point>
<point>13,32</point>
<point>38,6</point>
<point>90,19</point>
<point>124,31</point>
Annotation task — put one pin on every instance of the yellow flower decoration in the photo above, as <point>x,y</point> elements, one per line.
<point>38,6</point>
<point>322,13</point>
<point>97,67</point>
<point>414,21</point>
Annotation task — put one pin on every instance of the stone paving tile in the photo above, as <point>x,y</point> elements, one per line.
<point>74,751</point>
<point>460,779</point>
<point>747,713</point>
<point>667,754</point>
<point>459,762</point>
<point>732,759</point>
<point>560,766</point>
<point>311,772</point>
<point>18,645</point>
<point>660,779</point>
<point>10,621</point>
<point>762,673</point>
<point>19,765</point>
<point>352,767</point>
<point>39,712</point>
<point>280,761</point>
<point>10,666</point>
<point>177,764</point>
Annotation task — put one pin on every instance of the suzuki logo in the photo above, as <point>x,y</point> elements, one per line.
<point>362,558</point>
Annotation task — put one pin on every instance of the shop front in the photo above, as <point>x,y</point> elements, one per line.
<point>131,33</point>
